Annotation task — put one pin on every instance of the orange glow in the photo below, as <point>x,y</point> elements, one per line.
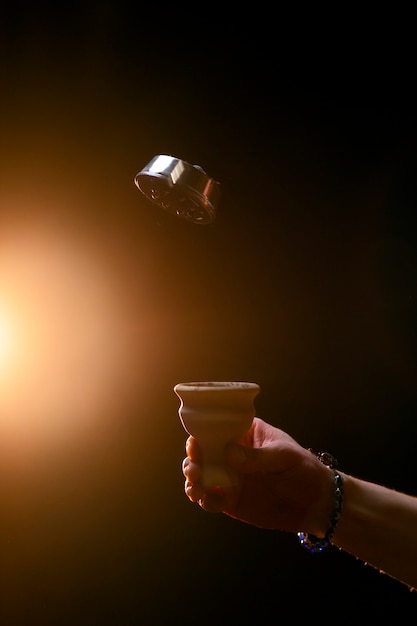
<point>62,341</point>
<point>6,341</point>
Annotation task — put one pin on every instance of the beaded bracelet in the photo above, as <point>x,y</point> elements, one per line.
<point>315,544</point>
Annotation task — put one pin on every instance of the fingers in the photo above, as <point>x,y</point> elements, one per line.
<point>191,471</point>
<point>192,449</point>
<point>193,492</point>
<point>192,474</point>
<point>211,500</point>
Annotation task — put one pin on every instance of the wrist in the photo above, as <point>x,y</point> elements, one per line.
<point>318,542</point>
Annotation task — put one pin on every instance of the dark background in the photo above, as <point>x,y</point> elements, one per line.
<point>305,283</point>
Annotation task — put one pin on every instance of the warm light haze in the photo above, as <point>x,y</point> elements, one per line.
<point>62,340</point>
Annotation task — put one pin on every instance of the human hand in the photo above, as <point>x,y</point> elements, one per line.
<point>281,485</point>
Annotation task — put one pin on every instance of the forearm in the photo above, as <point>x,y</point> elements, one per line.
<point>379,526</point>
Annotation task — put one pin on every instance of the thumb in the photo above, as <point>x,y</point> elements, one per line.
<point>248,460</point>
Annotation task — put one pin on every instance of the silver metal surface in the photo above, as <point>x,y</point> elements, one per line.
<point>180,188</point>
